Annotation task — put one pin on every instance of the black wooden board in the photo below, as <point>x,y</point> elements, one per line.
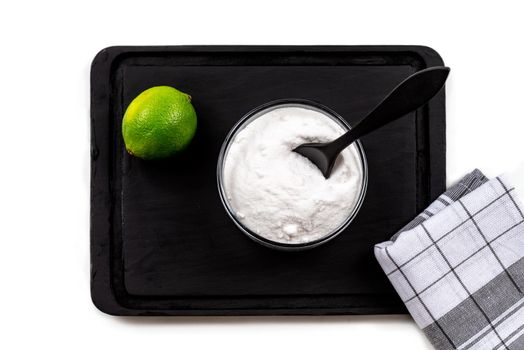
<point>161,241</point>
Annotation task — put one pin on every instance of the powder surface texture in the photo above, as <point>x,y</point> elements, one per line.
<point>280,194</point>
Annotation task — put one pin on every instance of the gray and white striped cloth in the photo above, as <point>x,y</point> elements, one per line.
<point>459,266</point>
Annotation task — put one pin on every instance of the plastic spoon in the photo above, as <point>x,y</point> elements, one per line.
<point>409,95</point>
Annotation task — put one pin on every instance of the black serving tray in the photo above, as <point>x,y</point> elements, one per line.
<point>161,242</point>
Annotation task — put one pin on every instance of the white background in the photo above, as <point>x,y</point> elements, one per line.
<point>45,55</point>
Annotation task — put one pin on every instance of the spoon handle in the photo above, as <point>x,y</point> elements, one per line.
<point>407,96</point>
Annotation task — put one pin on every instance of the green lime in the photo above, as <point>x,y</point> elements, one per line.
<point>159,123</point>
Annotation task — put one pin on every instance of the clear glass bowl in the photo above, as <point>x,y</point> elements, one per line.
<point>248,118</point>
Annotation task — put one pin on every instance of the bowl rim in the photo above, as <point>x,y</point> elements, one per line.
<point>254,114</point>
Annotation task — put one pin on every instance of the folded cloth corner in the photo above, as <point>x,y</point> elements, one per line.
<point>459,266</point>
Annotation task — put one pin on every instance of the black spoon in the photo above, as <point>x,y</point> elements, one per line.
<point>407,96</point>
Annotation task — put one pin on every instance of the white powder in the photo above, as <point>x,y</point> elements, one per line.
<point>280,194</point>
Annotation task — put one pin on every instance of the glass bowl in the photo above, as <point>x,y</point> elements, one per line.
<point>248,118</point>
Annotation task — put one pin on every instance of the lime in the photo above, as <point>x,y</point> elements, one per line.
<point>159,123</point>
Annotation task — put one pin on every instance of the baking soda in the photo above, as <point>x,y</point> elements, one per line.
<point>280,194</point>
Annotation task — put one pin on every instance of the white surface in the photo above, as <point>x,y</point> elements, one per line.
<point>46,52</point>
<point>280,194</point>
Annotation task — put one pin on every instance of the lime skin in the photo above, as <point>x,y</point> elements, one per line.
<point>160,122</point>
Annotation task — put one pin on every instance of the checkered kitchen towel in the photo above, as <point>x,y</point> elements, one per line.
<point>459,266</point>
